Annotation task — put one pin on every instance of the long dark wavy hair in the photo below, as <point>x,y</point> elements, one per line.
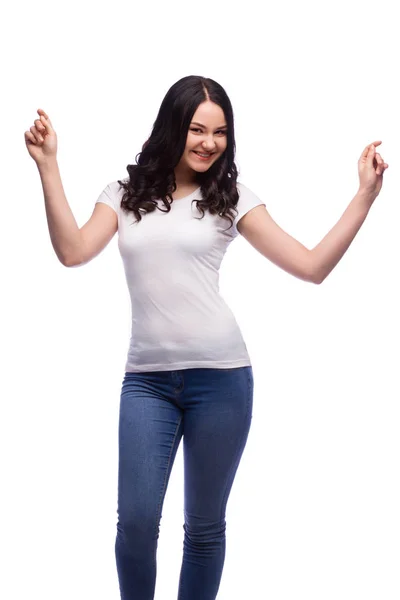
<point>153,176</point>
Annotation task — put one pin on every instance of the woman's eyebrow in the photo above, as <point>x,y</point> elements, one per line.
<point>204,127</point>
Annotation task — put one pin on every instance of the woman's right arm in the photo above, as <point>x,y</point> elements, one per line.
<point>73,245</point>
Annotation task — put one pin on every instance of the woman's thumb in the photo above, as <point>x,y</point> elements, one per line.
<point>45,120</point>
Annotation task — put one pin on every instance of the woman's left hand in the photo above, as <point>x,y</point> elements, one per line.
<point>371,168</point>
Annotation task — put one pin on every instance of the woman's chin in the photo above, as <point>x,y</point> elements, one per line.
<point>201,169</point>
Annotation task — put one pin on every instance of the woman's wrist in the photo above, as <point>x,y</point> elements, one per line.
<point>47,164</point>
<point>366,197</point>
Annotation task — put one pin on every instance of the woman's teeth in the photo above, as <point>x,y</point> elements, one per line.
<point>202,155</point>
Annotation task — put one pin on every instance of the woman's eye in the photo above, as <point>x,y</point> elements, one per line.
<point>197,130</point>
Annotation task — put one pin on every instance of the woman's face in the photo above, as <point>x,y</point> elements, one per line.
<point>207,138</point>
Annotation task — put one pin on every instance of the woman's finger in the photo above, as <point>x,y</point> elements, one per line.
<point>371,156</point>
<point>29,137</point>
<point>366,149</point>
<point>381,165</point>
<point>41,112</point>
<point>39,125</point>
<point>383,168</point>
<point>44,119</point>
<point>47,124</point>
<point>37,135</point>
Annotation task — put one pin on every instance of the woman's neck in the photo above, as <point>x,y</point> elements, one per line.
<point>186,183</point>
<point>185,177</point>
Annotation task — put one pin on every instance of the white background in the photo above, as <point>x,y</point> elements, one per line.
<point>313,513</point>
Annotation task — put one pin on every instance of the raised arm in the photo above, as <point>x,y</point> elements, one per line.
<point>72,245</point>
<point>263,233</point>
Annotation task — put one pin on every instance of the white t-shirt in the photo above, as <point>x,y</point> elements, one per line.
<point>171,261</point>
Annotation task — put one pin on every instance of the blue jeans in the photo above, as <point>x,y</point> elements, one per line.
<point>212,410</point>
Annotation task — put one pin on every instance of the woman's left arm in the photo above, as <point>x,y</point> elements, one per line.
<point>261,231</point>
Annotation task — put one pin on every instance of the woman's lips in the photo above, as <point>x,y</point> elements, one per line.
<point>203,157</point>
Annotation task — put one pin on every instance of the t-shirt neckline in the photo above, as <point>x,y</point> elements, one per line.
<point>196,191</point>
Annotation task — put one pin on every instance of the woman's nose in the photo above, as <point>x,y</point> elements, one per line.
<point>209,144</point>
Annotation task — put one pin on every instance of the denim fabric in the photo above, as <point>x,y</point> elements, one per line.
<point>212,410</point>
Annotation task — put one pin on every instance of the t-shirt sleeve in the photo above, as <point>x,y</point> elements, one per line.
<point>247,201</point>
<point>110,196</point>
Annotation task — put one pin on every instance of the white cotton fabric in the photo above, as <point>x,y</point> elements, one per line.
<point>172,261</point>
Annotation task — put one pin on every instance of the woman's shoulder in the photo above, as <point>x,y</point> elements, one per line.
<point>112,195</point>
<point>246,193</point>
<point>116,186</point>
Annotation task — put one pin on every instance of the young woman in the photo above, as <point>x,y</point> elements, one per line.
<point>188,372</point>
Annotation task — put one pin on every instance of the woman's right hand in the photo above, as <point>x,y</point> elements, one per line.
<point>41,140</point>
<point>371,168</point>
